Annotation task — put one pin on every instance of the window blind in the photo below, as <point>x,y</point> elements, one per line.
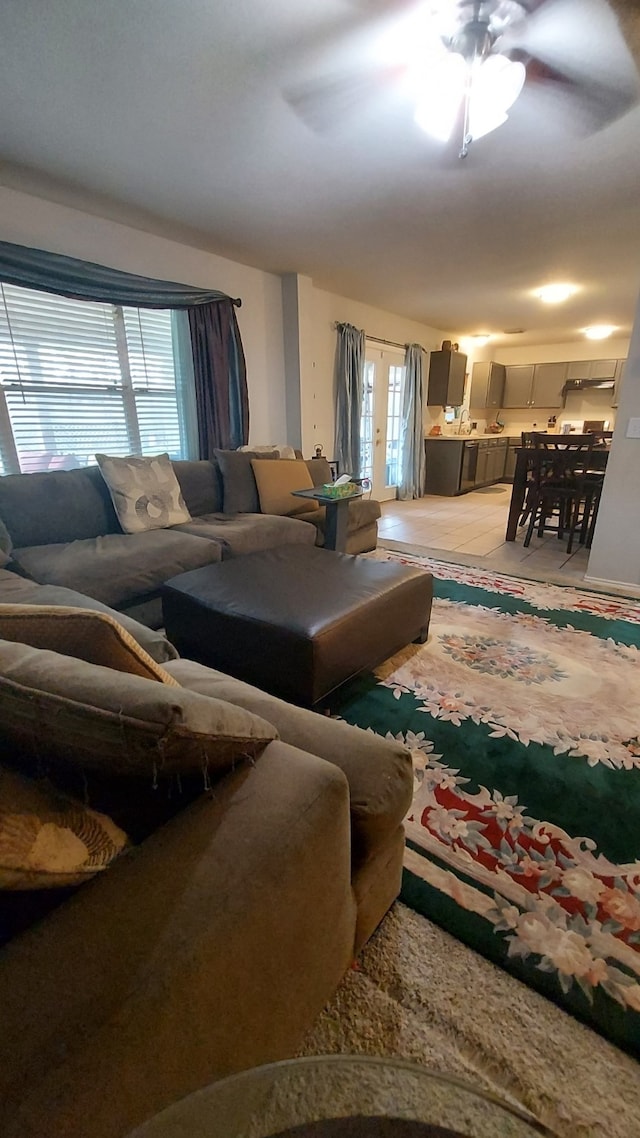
<point>78,377</point>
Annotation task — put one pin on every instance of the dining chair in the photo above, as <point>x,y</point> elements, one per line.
<point>561,496</point>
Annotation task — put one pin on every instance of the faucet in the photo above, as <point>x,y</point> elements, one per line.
<point>464,413</point>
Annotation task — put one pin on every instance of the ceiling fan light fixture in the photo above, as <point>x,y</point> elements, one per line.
<point>495,86</point>
<point>440,96</point>
<point>492,86</point>
<point>599,331</point>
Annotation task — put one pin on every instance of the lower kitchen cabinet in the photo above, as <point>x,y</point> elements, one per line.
<point>457,465</point>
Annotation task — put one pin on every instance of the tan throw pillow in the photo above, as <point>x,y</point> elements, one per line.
<point>56,709</point>
<point>145,492</point>
<point>92,636</point>
<point>48,840</point>
<point>276,479</point>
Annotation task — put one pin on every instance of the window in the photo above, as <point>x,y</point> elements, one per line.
<point>78,377</point>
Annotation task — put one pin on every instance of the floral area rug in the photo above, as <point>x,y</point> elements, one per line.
<point>523,840</point>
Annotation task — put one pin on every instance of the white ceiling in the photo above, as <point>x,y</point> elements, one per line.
<point>170,114</point>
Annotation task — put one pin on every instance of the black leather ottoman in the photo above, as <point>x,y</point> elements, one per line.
<point>297,621</point>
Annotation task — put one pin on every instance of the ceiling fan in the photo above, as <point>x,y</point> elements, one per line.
<point>463,63</point>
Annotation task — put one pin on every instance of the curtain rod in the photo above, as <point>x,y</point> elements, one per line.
<point>379,340</point>
<point>391,343</point>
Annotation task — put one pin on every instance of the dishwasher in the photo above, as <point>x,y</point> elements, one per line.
<point>469,466</point>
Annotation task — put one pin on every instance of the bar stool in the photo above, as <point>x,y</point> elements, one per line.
<point>562,498</point>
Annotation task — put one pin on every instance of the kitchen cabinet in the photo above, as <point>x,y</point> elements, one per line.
<point>446,378</point>
<point>487,384</point>
<point>592,369</point>
<point>548,381</point>
<point>444,466</point>
<point>510,459</point>
<point>517,385</point>
<point>491,459</point>
<point>619,376</point>
<point>534,385</point>
<point>456,465</point>
<point>482,465</point>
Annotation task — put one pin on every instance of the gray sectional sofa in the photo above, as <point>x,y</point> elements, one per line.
<point>214,940</point>
<point>61,530</point>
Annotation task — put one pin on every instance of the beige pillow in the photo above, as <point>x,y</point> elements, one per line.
<point>145,492</point>
<point>276,479</point>
<point>92,636</point>
<point>47,839</point>
<point>55,708</point>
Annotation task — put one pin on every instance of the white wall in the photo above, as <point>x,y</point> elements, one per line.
<point>615,554</point>
<point>28,220</point>
<point>320,311</point>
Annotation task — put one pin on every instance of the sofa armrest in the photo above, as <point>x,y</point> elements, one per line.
<point>379,770</point>
<point>212,947</point>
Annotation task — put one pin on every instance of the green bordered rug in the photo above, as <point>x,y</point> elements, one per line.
<point>523,840</point>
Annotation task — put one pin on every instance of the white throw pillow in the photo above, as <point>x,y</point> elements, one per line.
<point>145,492</point>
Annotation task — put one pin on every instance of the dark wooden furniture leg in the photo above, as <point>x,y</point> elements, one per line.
<point>517,493</point>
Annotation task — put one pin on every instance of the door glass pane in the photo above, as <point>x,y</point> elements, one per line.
<point>394,425</point>
<point>366,422</point>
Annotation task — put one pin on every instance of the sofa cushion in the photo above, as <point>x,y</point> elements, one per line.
<point>275,482</point>
<point>119,567</point>
<point>47,839</point>
<point>201,486</point>
<point>240,494</point>
<point>23,591</point>
<point>379,770</point>
<point>92,636</point>
<point>56,506</point>
<point>319,470</point>
<point>56,709</point>
<point>145,491</point>
<point>248,533</point>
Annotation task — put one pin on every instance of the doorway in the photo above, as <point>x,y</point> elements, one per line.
<point>381,420</point>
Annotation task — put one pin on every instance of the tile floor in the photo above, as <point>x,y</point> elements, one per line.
<point>471,528</point>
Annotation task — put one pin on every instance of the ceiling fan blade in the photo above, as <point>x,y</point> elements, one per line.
<point>325,103</point>
<point>576,49</point>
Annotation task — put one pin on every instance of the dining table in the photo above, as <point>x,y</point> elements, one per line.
<point>525,459</point>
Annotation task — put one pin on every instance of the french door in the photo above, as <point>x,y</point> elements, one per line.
<point>381,421</point>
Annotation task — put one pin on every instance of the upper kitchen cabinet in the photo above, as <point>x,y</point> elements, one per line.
<point>487,384</point>
<point>592,369</point>
<point>548,382</point>
<point>615,395</point>
<point>446,378</point>
<point>534,385</point>
<point>518,382</point>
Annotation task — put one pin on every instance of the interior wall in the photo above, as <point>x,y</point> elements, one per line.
<point>322,311</point>
<point>615,553</point>
<point>28,220</point>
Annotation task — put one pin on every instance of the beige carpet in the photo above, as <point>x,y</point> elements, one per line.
<point>422,995</point>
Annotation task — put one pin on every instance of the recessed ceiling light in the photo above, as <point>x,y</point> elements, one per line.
<point>481,337</point>
<point>599,331</point>
<point>513,331</point>
<point>555,293</point>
